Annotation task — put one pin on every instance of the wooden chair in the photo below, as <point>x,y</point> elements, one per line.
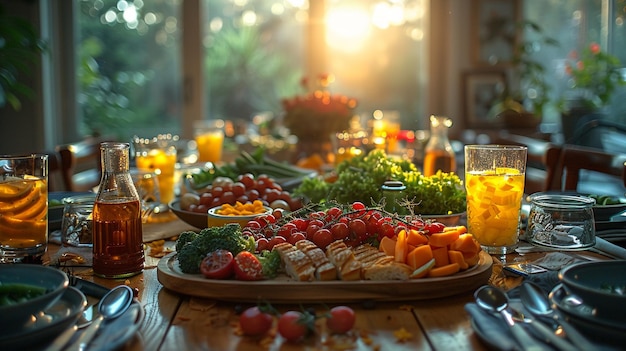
<point>80,164</point>
<point>565,163</point>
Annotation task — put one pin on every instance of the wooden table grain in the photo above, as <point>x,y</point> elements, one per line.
<point>175,321</point>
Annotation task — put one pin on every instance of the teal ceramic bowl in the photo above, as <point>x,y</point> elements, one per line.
<point>600,284</point>
<point>14,279</point>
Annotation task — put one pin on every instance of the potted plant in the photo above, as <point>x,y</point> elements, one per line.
<point>527,92</point>
<point>20,46</point>
<point>594,75</point>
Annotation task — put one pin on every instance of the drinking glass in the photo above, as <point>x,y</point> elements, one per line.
<point>494,181</point>
<point>348,144</point>
<point>209,136</point>
<point>147,185</point>
<point>23,207</point>
<point>158,155</point>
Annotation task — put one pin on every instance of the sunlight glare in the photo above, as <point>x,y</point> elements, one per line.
<point>249,18</point>
<point>348,27</point>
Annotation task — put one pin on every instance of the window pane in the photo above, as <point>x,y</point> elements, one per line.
<point>377,54</point>
<point>129,76</point>
<point>254,55</point>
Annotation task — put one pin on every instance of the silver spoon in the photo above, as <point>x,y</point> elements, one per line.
<point>494,300</point>
<point>538,304</point>
<point>112,305</point>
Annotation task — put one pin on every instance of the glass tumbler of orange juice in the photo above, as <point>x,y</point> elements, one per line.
<point>23,207</point>
<point>209,136</point>
<point>158,155</point>
<point>494,182</point>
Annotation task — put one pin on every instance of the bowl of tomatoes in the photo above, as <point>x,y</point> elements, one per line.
<point>193,218</point>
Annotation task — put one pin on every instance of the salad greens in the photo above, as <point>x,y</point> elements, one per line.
<point>361,178</point>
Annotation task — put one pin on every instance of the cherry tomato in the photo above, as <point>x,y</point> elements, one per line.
<point>340,231</point>
<point>262,244</point>
<point>275,241</point>
<point>286,230</point>
<point>341,319</point>
<point>295,237</point>
<point>434,227</point>
<point>322,238</point>
<point>357,206</point>
<point>291,326</point>
<point>358,228</point>
<point>248,266</point>
<point>217,265</point>
<point>300,223</point>
<point>254,322</point>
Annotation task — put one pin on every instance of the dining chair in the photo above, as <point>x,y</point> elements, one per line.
<point>80,163</point>
<point>565,163</point>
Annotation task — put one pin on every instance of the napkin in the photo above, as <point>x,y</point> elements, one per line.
<point>610,248</point>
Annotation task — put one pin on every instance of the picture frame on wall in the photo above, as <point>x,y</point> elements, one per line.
<point>481,91</point>
<point>495,31</point>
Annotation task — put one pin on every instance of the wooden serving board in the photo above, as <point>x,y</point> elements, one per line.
<point>284,290</point>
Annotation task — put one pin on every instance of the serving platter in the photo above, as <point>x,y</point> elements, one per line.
<point>284,290</point>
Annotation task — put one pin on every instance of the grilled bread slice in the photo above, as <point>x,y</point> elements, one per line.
<point>324,269</point>
<point>348,267</point>
<point>387,271</point>
<point>297,264</point>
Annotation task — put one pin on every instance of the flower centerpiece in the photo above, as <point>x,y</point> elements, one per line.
<point>594,76</point>
<point>314,117</point>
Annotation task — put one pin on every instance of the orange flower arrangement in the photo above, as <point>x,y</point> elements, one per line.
<point>317,115</point>
<point>595,73</point>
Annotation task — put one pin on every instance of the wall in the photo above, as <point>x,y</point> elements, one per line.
<point>450,56</point>
<point>22,131</point>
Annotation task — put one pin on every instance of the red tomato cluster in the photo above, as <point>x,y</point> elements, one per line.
<point>294,326</point>
<point>246,188</point>
<point>354,225</point>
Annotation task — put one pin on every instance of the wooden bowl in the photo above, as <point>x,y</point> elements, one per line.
<point>196,219</point>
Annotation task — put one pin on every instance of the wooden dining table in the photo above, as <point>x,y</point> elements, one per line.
<point>177,321</point>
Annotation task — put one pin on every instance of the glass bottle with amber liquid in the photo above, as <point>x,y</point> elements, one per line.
<point>438,153</point>
<point>117,232</point>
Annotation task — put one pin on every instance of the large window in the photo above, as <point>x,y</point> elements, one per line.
<point>575,25</point>
<point>132,57</point>
<point>257,52</point>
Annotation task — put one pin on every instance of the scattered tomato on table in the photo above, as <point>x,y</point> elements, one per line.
<point>254,322</point>
<point>340,319</point>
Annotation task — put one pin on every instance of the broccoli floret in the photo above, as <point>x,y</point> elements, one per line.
<point>270,260</point>
<point>189,259</point>
<point>185,238</point>
<point>228,237</point>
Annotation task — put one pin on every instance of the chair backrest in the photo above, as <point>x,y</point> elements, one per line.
<point>80,164</point>
<point>568,160</point>
<point>55,182</point>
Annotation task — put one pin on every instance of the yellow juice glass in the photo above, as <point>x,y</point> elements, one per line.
<point>158,155</point>
<point>23,207</point>
<point>209,136</point>
<point>494,182</point>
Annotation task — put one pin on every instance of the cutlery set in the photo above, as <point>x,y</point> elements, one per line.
<point>547,325</point>
<point>113,303</point>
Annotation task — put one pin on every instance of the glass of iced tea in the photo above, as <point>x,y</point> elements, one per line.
<point>209,136</point>
<point>23,207</point>
<point>158,155</point>
<point>494,181</point>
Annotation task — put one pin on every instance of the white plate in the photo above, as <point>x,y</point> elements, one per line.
<point>49,324</point>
